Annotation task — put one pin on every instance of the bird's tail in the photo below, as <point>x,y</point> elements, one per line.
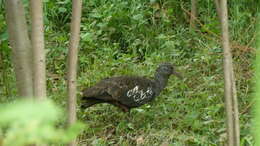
<point>89,102</point>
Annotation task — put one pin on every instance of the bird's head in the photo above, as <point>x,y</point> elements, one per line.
<point>167,69</point>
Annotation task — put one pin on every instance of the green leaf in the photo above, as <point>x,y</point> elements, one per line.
<point>62,10</point>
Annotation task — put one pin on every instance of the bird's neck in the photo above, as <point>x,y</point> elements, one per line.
<point>160,81</point>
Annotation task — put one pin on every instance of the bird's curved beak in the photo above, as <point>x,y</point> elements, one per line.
<point>177,74</point>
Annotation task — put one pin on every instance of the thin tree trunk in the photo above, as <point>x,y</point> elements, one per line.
<point>72,62</point>
<point>256,120</point>
<point>39,77</point>
<point>21,48</point>
<point>233,130</point>
<point>193,13</point>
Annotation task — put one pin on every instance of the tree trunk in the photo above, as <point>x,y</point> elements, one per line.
<point>193,13</point>
<point>233,131</point>
<point>21,48</point>
<point>72,62</point>
<point>256,120</point>
<point>39,77</point>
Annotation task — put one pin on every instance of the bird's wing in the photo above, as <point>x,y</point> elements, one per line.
<point>131,91</point>
<point>115,89</point>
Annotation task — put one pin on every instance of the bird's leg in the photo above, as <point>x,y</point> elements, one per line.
<point>121,106</point>
<point>124,108</point>
<point>129,117</point>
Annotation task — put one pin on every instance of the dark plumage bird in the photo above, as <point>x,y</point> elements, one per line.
<point>128,92</point>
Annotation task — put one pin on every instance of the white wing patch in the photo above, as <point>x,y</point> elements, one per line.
<point>138,94</point>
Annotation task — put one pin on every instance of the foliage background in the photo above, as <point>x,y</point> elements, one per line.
<point>120,37</point>
<point>26,122</point>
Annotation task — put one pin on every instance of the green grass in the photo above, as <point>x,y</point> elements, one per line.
<point>125,38</point>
